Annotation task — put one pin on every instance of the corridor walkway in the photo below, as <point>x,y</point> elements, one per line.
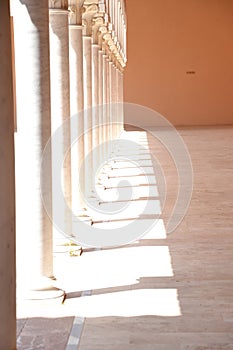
<point>162,292</point>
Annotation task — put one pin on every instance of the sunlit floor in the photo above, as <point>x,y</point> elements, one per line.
<point>162,292</point>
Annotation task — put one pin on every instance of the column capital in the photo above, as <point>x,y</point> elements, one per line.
<point>97,24</point>
<point>102,31</point>
<point>106,50</point>
<point>110,46</point>
<point>75,8</point>
<point>89,12</point>
<point>58,4</point>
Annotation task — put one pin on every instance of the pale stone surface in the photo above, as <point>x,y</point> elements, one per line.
<point>189,272</point>
<point>201,255</point>
<point>95,109</point>
<point>105,105</point>
<point>33,132</point>
<point>45,333</point>
<point>115,115</point>
<point>76,111</point>
<point>101,119</point>
<point>60,108</point>
<point>111,101</point>
<point>42,325</point>
<point>7,188</point>
<point>108,110</point>
<point>121,99</point>
<point>87,83</point>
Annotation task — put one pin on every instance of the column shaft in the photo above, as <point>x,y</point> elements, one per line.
<point>111,101</point>
<point>114,101</point>
<point>87,85</point>
<point>101,79</point>
<point>77,124</point>
<point>34,229</point>
<point>7,188</point>
<point>117,103</point>
<point>95,107</point>
<point>60,106</point>
<point>108,117</point>
<point>118,100</point>
<point>122,99</point>
<point>105,105</point>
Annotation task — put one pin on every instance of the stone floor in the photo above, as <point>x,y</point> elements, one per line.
<point>165,291</point>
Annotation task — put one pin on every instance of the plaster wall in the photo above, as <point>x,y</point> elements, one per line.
<point>180,59</point>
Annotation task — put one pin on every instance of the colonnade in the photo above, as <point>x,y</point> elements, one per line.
<point>69,62</point>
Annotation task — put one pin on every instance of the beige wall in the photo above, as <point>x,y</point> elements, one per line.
<point>167,39</point>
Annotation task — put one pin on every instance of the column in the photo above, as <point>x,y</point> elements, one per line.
<point>87,84</point>
<point>119,101</point>
<point>7,188</point>
<point>103,87</point>
<point>33,226</point>
<point>88,15</point>
<point>111,109</point>
<point>116,102</point>
<point>121,91</point>
<point>108,115</point>
<point>97,88</point>
<point>101,116</point>
<point>105,105</point>
<point>114,97</point>
<point>60,108</point>
<point>95,105</point>
<point>77,106</point>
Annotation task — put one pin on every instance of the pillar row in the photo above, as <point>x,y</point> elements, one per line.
<point>33,226</point>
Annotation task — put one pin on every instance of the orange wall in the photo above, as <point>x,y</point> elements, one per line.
<point>166,39</point>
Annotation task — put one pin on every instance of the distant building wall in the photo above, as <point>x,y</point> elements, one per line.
<point>180,59</point>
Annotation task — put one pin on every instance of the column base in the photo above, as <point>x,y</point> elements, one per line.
<point>103,178</point>
<point>93,199</point>
<point>100,185</point>
<point>41,290</point>
<point>82,214</point>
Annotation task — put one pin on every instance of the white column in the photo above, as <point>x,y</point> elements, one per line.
<point>95,109</point>
<point>114,95</point>
<point>33,227</point>
<point>111,100</point>
<point>87,84</point>
<point>117,103</point>
<point>7,188</point>
<point>60,107</point>
<point>121,92</point>
<point>120,109</point>
<point>120,103</point>
<point>108,111</point>
<point>101,80</point>
<point>76,109</point>
<point>119,100</point>
<point>105,105</point>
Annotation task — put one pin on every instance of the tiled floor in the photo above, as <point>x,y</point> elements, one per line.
<point>164,292</point>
